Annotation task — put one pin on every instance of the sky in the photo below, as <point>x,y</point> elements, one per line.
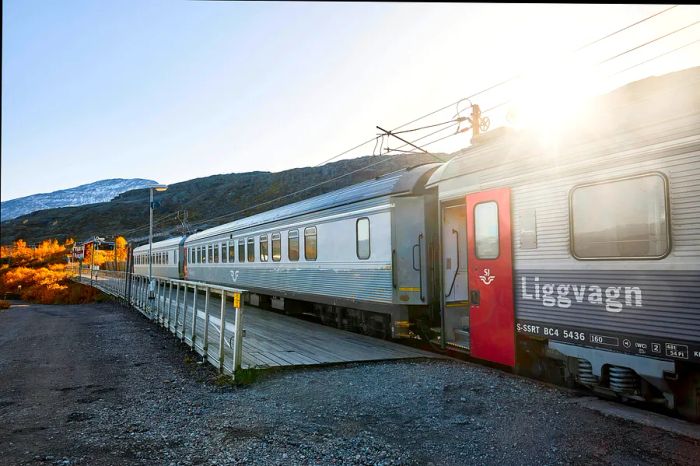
<point>172,91</point>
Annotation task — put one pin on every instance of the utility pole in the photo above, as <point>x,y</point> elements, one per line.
<point>151,283</point>
<point>150,239</point>
<point>92,257</point>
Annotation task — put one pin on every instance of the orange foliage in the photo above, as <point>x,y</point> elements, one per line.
<point>47,251</point>
<point>120,244</point>
<point>39,274</point>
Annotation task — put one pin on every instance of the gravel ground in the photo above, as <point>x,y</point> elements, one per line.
<point>100,385</point>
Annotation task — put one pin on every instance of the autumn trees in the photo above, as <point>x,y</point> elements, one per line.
<point>39,273</point>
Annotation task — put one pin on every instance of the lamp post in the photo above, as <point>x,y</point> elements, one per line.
<point>151,285</point>
<point>95,241</point>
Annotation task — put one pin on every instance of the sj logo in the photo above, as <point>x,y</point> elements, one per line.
<point>234,275</point>
<point>487,278</point>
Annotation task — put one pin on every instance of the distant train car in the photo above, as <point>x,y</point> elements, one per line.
<point>586,250</point>
<point>166,256</point>
<point>357,257</point>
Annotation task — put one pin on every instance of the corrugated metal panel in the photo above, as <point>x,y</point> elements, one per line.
<point>669,301</point>
<point>398,182</point>
<point>550,200</point>
<point>365,284</point>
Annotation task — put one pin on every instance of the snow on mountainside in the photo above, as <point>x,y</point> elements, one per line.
<point>99,191</point>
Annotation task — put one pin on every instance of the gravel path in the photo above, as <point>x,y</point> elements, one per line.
<point>100,385</point>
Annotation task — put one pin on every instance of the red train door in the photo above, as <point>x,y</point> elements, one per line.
<point>490,276</point>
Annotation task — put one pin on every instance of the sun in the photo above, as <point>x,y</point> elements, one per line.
<point>551,100</point>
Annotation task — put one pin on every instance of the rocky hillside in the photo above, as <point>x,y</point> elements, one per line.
<point>202,198</point>
<point>99,191</point>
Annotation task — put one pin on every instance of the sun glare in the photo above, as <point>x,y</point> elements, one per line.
<point>551,101</point>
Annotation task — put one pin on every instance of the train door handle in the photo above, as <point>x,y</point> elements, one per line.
<point>393,268</point>
<point>474,297</point>
<point>419,269</point>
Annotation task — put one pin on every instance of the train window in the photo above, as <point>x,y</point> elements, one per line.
<point>224,252</point>
<point>486,230</point>
<point>241,250</point>
<point>216,253</point>
<point>621,219</point>
<point>293,244</point>
<point>251,249</point>
<point>276,247</point>
<point>264,245</point>
<point>231,251</point>
<point>310,245</point>
<point>198,251</point>
<point>362,238</point>
<point>210,254</point>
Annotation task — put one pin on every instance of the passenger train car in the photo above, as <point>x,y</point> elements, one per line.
<point>583,250</point>
<point>167,258</point>
<point>576,258</point>
<point>359,255</point>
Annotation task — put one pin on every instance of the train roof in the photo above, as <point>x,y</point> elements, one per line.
<point>161,244</point>
<point>632,112</point>
<point>404,181</point>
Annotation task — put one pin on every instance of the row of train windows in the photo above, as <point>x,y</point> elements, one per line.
<point>226,251</point>
<point>159,258</point>
<point>627,218</point>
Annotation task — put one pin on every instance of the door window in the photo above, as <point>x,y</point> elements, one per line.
<point>486,230</point>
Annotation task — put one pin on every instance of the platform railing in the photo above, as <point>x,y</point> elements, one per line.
<point>188,309</point>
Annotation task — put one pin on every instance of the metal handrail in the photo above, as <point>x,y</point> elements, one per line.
<point>157,304</point>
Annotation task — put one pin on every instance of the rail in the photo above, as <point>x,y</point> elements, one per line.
<point>194,312</point>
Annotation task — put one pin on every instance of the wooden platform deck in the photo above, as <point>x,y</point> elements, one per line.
<point>272,339</point>
<point>277,340</point>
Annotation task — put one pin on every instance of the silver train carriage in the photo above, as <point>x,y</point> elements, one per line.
<point>582,255</point>
<point>356,258</point>
<point>166,255</point>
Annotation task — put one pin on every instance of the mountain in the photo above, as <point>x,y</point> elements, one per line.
<point>208,201</point>
<point>99,191</point>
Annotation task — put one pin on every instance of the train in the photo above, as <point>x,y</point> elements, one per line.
<point>575,258</point>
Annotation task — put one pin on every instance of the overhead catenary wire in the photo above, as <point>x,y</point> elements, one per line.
<point>294,193</point>
<point>516,76</point>
<point>649,42</point>
<point>657,56</point>
<point>501,83</point>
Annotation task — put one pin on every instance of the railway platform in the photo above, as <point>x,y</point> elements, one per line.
<point>268,339</point>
